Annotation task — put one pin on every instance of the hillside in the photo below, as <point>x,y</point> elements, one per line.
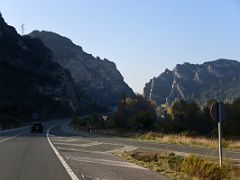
<point>29,80</point>
<point>218,79</point>
<point>100,79</point>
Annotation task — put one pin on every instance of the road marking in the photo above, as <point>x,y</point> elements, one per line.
<point>85,139</point>
<point>6,139</point>
<point>123,149</point>
<point>106,162</point>
<point>93,178</point>
<point>59,137</point>
<point>65,165</point>
<point>51,135</point>
<point>102,141</point>
<point>84,151</point>
<point>64,140</point>
<point>79,145</point>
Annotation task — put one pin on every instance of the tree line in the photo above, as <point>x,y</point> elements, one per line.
<point>141,114</point>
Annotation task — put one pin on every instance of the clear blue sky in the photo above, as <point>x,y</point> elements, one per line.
<point>143,37</point>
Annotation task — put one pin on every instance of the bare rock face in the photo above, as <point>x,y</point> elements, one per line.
<point>218,79</point>
<point>99,79</point>
<point>29,80</point>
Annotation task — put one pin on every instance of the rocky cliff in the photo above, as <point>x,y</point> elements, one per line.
<point>98,78</point>
<point>29,80</point>
<point>219,79</point>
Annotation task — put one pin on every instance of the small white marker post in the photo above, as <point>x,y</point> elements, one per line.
<point>217,112</point>
<point>220,132</point>
<point>90,129</point>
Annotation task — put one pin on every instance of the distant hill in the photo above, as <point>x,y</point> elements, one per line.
<point>99,79</point>
<point>218,79</point>
<point>29,80</point>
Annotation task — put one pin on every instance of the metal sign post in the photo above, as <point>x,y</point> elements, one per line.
<point>220,132</point>
<point>104,119</point>
<point>217,112</point>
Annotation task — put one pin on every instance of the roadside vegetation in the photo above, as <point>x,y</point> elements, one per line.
<point>180,167</point>
<point>185,139</point>
<point>181,122</point>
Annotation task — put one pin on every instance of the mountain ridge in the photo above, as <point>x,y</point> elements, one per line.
<point>100,78</point>
<point>29,80</point>
<point>198,82</point>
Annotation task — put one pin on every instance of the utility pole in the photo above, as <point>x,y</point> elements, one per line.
<point>22,28</point>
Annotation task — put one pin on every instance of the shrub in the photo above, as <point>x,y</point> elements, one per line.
<point>190,166</point>
<point>203,168</point>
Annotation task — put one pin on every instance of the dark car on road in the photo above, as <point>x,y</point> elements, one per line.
<point>37,127</point>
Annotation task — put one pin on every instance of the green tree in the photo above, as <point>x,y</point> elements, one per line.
<point>187,116</point>
<point>137,112</point>
<point>144,120</point>
<point>231,125</point>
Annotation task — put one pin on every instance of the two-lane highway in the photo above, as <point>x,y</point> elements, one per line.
<point>90,159</point>
<point>27,156</point>
<point>57,155</point>
<point>61,153</point>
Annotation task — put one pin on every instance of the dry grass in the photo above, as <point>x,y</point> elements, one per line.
<point>188,140</point>
<point>179,167</point>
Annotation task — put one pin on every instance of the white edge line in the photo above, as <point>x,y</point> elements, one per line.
<point>65,165</point>
<point>6,139</point>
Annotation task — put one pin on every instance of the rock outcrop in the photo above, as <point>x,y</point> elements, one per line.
<point>98,79</point>
<point>29,80</point>
<point>219,79</point>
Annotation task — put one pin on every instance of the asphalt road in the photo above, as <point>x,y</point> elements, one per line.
<point>90,159</point>
<point>26,156</point>
<point>138,145</point>
<point>77,155</point>
<point>29,156</point>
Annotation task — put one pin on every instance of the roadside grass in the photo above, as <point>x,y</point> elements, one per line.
<point>182,139</point>
<point>180,167</point>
